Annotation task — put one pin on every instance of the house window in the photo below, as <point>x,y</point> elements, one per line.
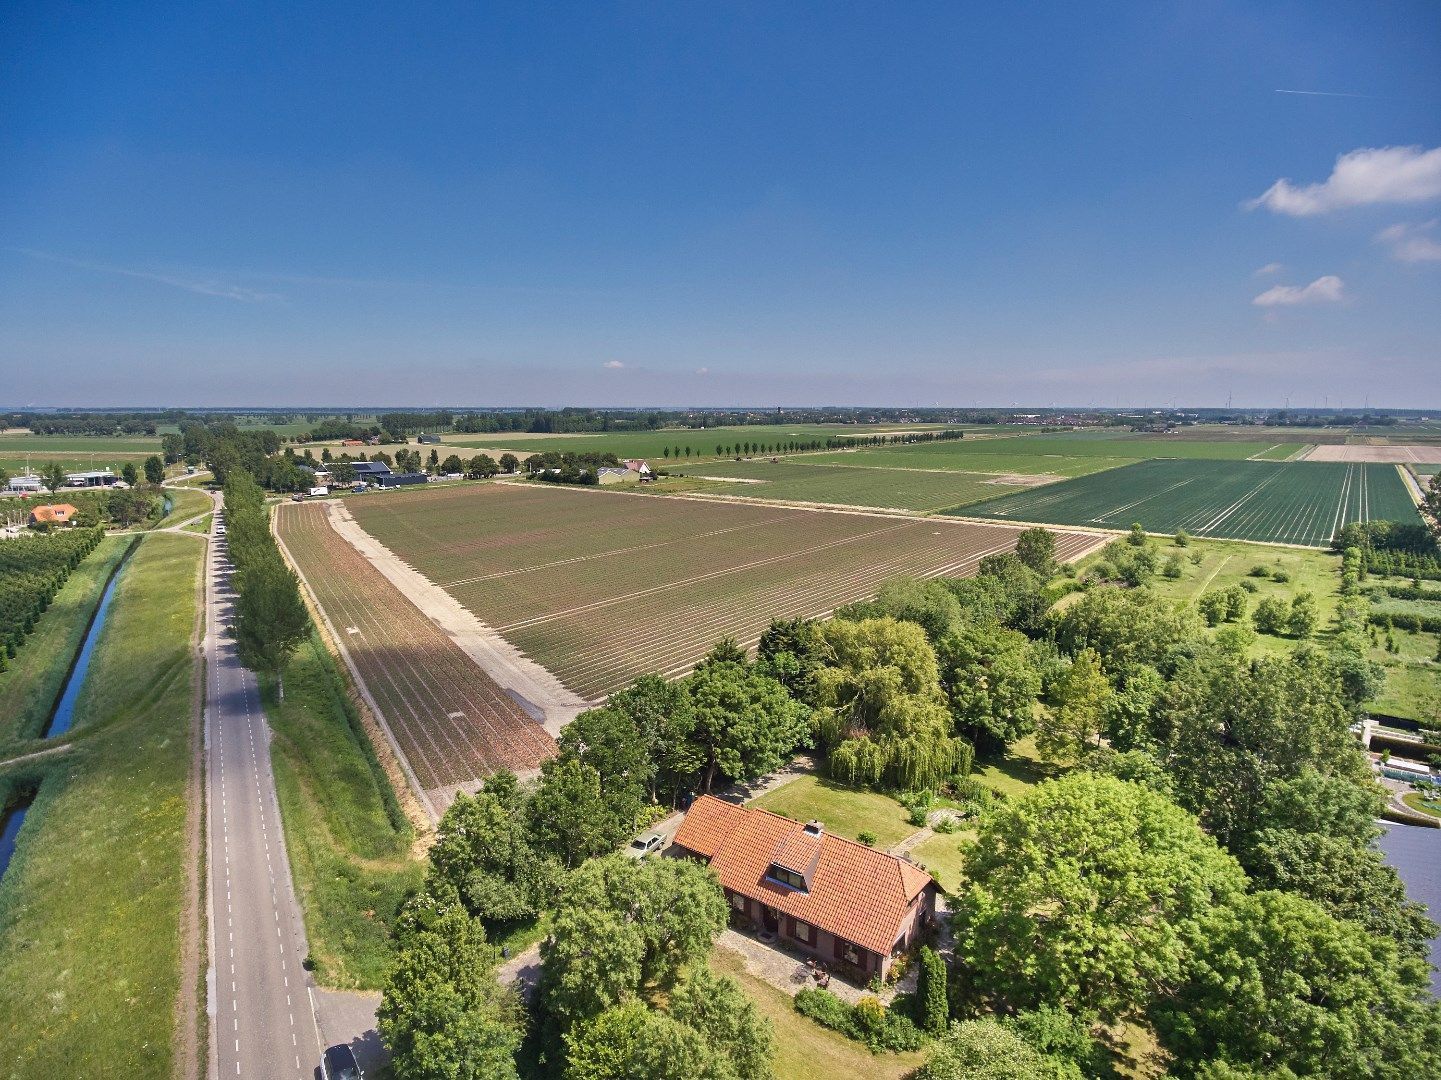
<point>802,931</point>
<point>851,954</point>
<point>738,902</point>
<point>787,877</point>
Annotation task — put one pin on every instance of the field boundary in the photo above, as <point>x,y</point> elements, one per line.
<point>492,653</point>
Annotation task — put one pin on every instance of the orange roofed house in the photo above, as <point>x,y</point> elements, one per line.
<point>853,907</point>
<point>53,514</point>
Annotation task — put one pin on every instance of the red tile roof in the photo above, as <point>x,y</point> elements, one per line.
<point>57,512</point>
<point>855,892</point>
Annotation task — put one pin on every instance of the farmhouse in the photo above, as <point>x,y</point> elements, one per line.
<point>852,906</point>
<point>53,514</point>
<point>639,467</point>
<point>429,440</point>
<point>613,475</point>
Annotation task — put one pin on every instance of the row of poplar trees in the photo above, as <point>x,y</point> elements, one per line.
<point>270,616</point>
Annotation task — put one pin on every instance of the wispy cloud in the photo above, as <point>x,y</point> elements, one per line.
<point>1412,243</point>
<point>1391,174</point>
<point>613,365</point>
<point>204,286</point>
<point>1324,290</point>
<point>1267,270</point>
<point>1323,93</point>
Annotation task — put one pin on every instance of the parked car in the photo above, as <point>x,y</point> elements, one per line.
<point>340,1064</point>
<point>642,846</point>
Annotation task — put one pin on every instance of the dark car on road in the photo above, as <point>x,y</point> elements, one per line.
<point>340,1064</point>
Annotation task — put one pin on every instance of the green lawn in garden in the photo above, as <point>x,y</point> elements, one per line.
<point>941,856</point>
<point>843,811</point>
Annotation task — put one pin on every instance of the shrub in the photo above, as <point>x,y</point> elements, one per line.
<point>1260,571</point>
<point>868,1022</point>
<point>868,838</point>
<point>1280,576</point>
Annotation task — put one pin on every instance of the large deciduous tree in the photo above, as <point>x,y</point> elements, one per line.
<point>443,1015</point>
<point>1088,894</point>
<point>745,724</point>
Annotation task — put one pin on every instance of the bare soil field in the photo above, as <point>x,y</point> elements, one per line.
<point>599,587</point>
<point>452,722</point>
<point>1396,453</point>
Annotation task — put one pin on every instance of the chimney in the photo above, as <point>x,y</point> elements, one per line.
<point>814,828</point>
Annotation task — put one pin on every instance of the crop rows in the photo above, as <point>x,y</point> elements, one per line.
<point>1301,503</point>
<point>601,587</point>
<point>452,721</point>
<point>849,485</point>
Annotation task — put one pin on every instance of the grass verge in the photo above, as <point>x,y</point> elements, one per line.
<point>184,503</point>
<point>90,953</point>
<point>31,684</point>
<point>349,841</point>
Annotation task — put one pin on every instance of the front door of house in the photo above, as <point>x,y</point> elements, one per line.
<point>772,920</point>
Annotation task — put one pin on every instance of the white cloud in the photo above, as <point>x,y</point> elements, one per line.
<point>1412,243</point>
<point>1267,270</point>
<point>614,365</point>
<point>702,371</point>
<point>1324,290</point>
<point>1391,174</point>
<point>203,286</point>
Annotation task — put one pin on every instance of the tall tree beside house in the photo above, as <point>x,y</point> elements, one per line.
<point>509,463</point>
<point>932,1001</point>
<point>452,464</point>
<point>53,477</point>
<point>745,723</point>
<point>1089,894</point>
<point>881,714</point>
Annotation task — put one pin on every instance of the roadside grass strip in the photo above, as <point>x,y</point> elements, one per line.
<point>1302,503</point>
<point>599,587</point>
<point>453,722</point>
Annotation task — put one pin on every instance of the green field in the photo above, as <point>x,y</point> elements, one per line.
<point>848,485</point>
<point>100,445</point>
<point>1300,503</point>
<point>90,909</point>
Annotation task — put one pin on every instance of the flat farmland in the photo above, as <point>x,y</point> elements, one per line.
<point>1298,502</point>
<point>796,479</point>
<point>453,722</point>
<point>600,586</point>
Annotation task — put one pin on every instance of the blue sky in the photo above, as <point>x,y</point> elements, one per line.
<point>671,203</point>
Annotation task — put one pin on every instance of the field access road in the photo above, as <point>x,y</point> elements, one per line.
<point>262,1017</point>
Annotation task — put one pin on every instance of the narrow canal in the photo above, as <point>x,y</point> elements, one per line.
<point>11,818</point>
<point>64,714</point>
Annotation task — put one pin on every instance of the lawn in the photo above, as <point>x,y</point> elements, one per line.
<point>1301,503</point>
<point>185,503</point>
<point>90,910</point>
<point>941,856</point>
<point>1014,774</point>
<point>349,844</point>
<point>804,1049</point>
<point>798,480</point>
<point>30,686</point>
<point>842,810</point>
<point>99,445</point>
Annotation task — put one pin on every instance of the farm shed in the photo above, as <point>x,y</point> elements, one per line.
<point>389,479</point>
<point>610,475</point>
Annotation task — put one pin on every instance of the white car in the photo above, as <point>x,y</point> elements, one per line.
<point>642,846</point>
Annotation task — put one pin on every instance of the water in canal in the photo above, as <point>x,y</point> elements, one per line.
<point>64,713</point>
<point>1416,854</point>
<point>11,818</point>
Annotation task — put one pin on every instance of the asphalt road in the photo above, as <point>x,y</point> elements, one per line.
<point>262,1016</point>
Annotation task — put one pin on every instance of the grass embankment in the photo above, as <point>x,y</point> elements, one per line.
<point>804,1049</point>
<point>90,910</point>
<point>184,503</point>
<point>349,841</point>
<point>31,684</point>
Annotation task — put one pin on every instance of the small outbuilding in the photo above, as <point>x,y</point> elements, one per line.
<point>611,475</point>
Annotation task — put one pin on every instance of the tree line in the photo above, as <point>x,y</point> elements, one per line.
<point>270,615</point>
<point>32,570</point>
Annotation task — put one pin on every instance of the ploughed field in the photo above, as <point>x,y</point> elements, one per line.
<point>1301,502</point>
<point>600,586</point>
<point>452,721</point>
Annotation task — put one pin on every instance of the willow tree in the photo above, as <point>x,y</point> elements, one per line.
<point>882,716</point>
